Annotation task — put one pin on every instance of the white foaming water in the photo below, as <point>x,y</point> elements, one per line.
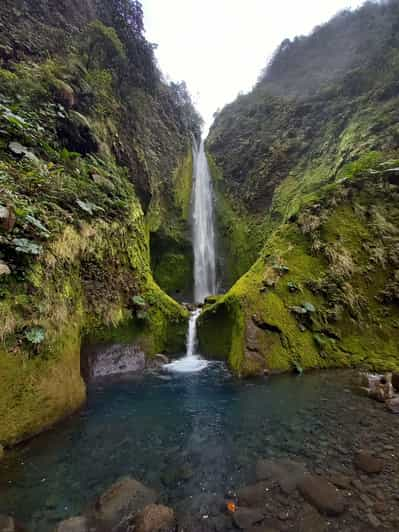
<point>203,228</point>
<point>204,257</point>
<point>192,362</point>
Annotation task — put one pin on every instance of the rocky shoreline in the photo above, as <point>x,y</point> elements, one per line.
<point>285,496</point>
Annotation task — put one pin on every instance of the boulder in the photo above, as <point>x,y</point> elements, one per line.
<point>157,362</point>
<point>287,474</point>
<point>309,520</point>
<point>367,463</point>
<point>322,495</point>
<point>395,381</point>
<point>123,499</point>
<point>117,359</point>
<point>254,495</point>
<point>64,94</point>
<point>7,218</point>
<point>393,405</point>
<point>8,524</point>
<point>4,269</point>
<point>155,518</point>
<point>73,524</point>
<point>244,518</point>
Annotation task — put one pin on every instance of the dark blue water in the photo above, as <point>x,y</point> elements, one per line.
<point>183,435</point>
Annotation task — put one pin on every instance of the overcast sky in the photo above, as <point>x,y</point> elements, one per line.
<point>219,47</point>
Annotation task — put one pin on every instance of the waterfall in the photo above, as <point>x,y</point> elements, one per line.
<point>203,228</point>
<point>192,362</point>
<point>204,256</point>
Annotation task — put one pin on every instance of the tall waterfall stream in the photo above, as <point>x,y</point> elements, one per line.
<point>203,229</point>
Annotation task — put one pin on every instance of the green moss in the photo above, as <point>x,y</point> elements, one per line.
<point>240,235</point>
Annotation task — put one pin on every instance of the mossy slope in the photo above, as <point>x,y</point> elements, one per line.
<point>322,294</point>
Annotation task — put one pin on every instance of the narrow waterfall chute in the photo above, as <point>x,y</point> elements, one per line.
<point>203,228</point>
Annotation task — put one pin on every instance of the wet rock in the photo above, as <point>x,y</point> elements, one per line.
<point>103,182</point>
<point>287,474</point>
<point>155,518</point>
<point>103,361</point>
<point>395,381</point>
<point>374,522</point>
<point>246,517</point>
<point>341,481</point>
<point>78,134</point>
<point>157,362</point>
<point>322,495</point>
<point>7,218</point>
<point>125,498</point>
<point>8,524</point>
<point>368,463</point>
<point>393,405</point>
<point>254,495</point>
<point>64,94</point>
<point>262,528</point>
<point>4,269</point>
<point>309,520</point>
<point>74,524</point>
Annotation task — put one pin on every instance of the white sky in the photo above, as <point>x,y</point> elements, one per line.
<point>219,47</point>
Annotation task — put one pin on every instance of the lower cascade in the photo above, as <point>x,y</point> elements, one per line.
<point>192,362</point>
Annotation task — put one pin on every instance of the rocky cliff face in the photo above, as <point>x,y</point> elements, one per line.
<point>306,166</point>
<point>94,150</point>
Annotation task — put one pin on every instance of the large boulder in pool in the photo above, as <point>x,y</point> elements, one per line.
<point>73,524</point>
<point>286,473</point>
<point>155,518</point>
<point>8,524</point>
<point>122,501</point>
<point>323,495</point>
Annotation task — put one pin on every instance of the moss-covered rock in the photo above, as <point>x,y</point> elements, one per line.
<point>338,255</point>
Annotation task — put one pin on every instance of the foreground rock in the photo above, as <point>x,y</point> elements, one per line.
<point>322,495</point>
<point>310,520</point>
<point>155,518</point>
<point>244,518</point>
<point>8,524</point>
<point>74,524</point>
<point>368,463</point>
<point>253,495</point>
<point>287,474</point>
<point>121,501</point>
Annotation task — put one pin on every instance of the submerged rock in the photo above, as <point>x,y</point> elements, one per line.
<point>287,474</point>
<point>155,518</point>
<point>309,520</point>
<point>254,495</point>
<point>322,495</point>
<point>246,517</point>
<point>368,463</point>
<point>8,524</point>
<point>122,500</point>
<point>73,524</point>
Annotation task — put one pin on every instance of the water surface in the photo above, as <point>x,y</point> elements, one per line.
<point>186,434</point>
